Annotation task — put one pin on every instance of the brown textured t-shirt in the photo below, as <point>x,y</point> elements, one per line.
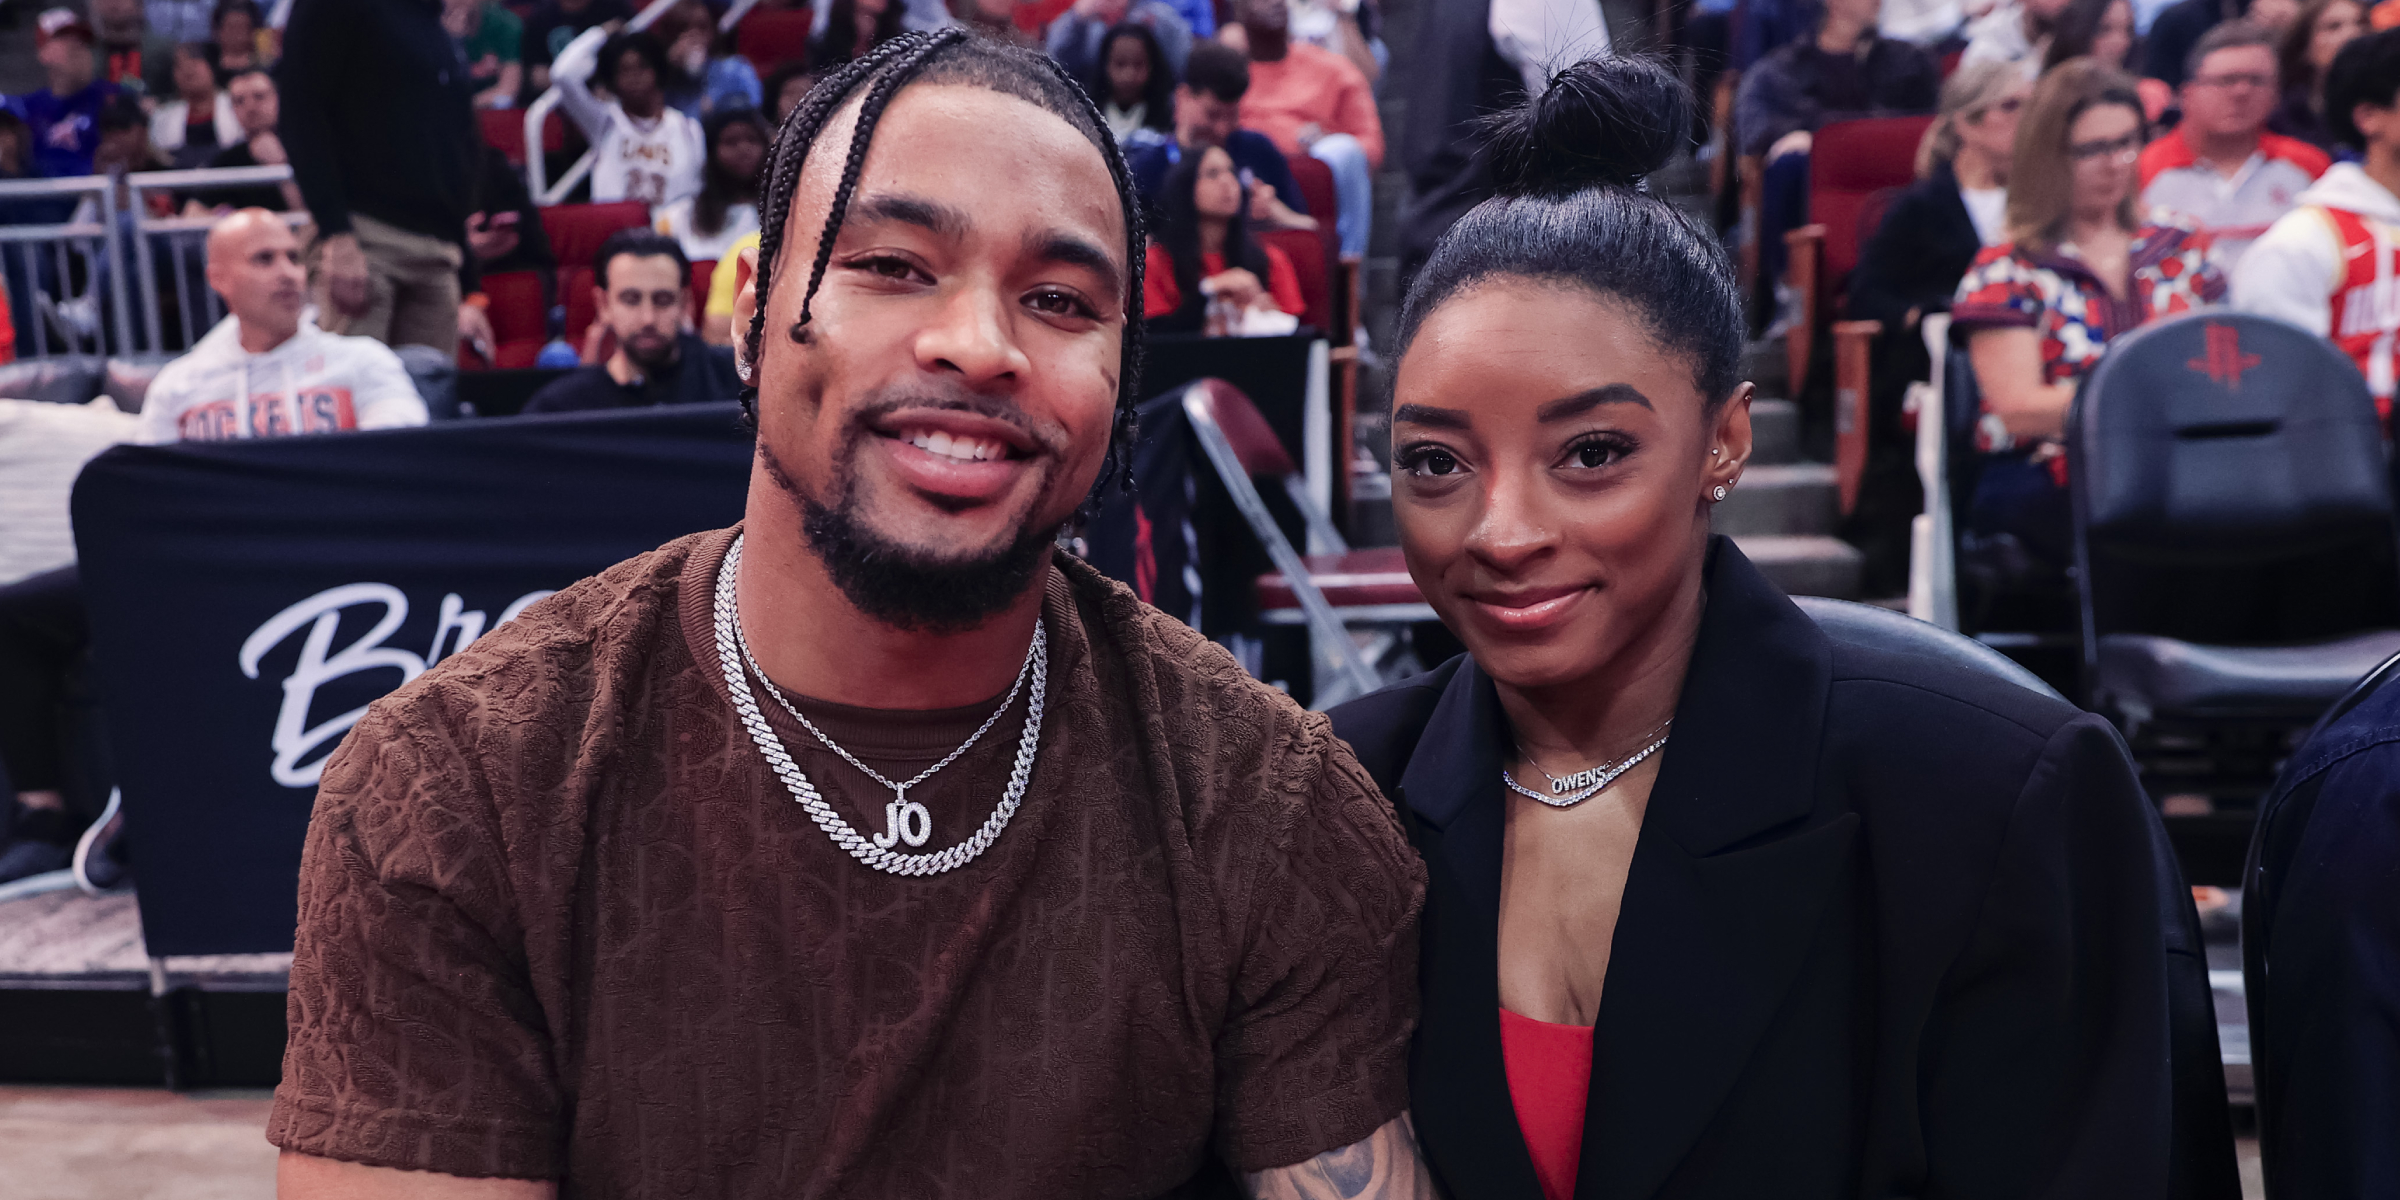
<point>559,919</point>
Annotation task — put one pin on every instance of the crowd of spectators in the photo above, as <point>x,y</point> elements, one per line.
<point>399,210</point>
<point>2092,165</point>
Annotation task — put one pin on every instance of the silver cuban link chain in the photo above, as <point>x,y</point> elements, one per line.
<point>906,820</point>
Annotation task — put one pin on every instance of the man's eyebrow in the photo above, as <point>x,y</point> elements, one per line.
<point>1439,418</point>
<point>1057,246</point>
<point>931,215</point>
<point>1583,402</point>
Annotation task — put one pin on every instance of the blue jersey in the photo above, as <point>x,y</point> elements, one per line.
<point>65,131</point>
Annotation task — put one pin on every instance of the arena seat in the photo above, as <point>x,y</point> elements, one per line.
<point>1853,169</point>
<point>1871,627</point>
<point>1315,181</point>
<point>771,37</point>
<point>520,321</point>
<point>1343,310</point>
<point>701,271</point>
<point>1307,253</point>
<point>1331,592</point>
<point>504,131</point>
<point>2234,553</point>
<point>576,231</point>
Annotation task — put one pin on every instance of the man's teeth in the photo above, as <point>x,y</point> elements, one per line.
<point>964,449</point>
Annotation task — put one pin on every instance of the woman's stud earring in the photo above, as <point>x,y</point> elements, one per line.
<point>1720,492</point>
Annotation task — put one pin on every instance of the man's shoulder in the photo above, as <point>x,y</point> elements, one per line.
<point>564,654</point>
<point>578,390</point>
<point>353,352</point>
<point>1317,60</point>
<point>2276,147</point>
<point>1253,772</point>
<point>1244,144</point>
<point>1210,707</point>
<point>2168,153</point>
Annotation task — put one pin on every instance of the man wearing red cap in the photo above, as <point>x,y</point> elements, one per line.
<point>64,117</point>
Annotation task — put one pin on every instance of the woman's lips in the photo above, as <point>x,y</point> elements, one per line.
<point>1531,611</point>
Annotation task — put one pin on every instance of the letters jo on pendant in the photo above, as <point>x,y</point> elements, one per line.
<point>905,820</point>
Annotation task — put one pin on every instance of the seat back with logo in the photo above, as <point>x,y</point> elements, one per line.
<point>2234,550</point>
<point>248,599</point>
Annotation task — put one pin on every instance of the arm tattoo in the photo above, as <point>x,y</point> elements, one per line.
<point>1386,1166</point>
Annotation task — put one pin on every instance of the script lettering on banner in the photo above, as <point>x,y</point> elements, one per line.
<point>295,741</point>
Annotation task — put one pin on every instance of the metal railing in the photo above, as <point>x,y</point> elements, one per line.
<point>68,280</point>
<point>538,113</point>
<point>184,242</point>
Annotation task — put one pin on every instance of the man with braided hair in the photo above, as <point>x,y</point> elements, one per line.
<point>872,847</point>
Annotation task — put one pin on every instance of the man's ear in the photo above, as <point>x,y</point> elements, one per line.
<point>745,298</point>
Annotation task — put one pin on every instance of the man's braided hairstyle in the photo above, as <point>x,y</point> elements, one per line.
<point>948,56</point>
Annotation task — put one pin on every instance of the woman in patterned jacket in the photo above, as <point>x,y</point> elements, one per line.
<point>2079,268</point>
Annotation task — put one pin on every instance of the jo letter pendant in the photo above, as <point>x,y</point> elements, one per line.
<point>905,820</point>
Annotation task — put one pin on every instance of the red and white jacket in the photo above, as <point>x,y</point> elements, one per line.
<point>2332,266</point>
<point>2230,211</point>
<point>315,382</point>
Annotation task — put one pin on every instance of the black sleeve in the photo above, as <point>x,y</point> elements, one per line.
<point>2061,1057</point>
<point>1899,267</point>
<point>316,51</point>
<point>2327,1041</point>
<point>533,42</point>
<point>1921,89</point>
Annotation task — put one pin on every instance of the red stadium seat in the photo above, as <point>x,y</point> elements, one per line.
<point>504,131</point>
<point>1853,166</point>
<point>1332,593</point>
<point>1307,253</point>
<point>1316,188</point>
<point>771,37</point>
<point>701,272</point>
<point>576,230</point>
<point>519,325</point>
<point>575,291</point>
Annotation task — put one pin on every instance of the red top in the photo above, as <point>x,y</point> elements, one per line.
<point>1549,1077</point>
<point>1160,296</point>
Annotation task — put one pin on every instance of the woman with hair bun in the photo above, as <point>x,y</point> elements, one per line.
<point>1720,905</point>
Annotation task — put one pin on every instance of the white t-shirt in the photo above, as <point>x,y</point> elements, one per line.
<point>42,448</point>
<point>675,220</point>
<point>656,161</point>
<point>1988,208</point>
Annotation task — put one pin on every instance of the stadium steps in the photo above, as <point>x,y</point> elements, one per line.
<point>1784,512</point>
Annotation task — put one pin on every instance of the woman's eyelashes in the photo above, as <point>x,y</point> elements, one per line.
<point>1588,453</point>
<point>1595,451</point>
<point>1428,460</point>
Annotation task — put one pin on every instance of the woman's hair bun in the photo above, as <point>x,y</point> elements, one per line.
<point>1604,122</point>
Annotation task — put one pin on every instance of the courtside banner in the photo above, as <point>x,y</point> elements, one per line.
<point>249,599</point>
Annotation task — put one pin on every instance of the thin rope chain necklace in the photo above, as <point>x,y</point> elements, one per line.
<point>905,820</point>
<point>1583,785</point>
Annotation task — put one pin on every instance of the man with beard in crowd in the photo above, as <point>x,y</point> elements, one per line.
<point>642,285</point>
<point>874,847</point>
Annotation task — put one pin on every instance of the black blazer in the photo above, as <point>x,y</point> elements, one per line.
<point>1891,930</point>
<point>1916,256</point>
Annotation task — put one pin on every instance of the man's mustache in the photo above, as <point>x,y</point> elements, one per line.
<point>891,402</point>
